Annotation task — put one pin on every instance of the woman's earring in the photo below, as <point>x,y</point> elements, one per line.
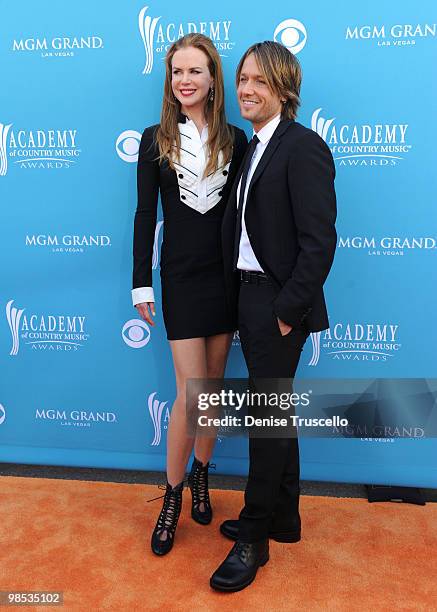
<point>211,94</point>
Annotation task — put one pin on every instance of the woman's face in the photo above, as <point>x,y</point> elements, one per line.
<point>191,80</point>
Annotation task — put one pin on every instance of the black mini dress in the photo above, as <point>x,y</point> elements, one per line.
<point>194,302</point>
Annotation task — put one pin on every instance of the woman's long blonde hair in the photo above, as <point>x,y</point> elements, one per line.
<point>220,137</point>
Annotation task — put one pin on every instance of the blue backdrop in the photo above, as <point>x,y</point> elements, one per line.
<point>83,381</point>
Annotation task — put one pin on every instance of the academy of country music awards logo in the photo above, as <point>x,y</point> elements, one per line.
<point>160,415</point>
<point>369,342</point>
<point>377,144</point>
<point>67,243</point>
<point>157,35</point>
<point>159,412</point>
<point>37,149</point>
<point>57,46</point>
<point>394,35</point>
<point>75,418</point>
<point>388,245</point>
<point>45,332</point>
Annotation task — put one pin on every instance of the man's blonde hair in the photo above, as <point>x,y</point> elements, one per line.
<point>282,72</point>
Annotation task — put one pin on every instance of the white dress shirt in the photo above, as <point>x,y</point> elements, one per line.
<point>246,256</point>
<point>196,191</point>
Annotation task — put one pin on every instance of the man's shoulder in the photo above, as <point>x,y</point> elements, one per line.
<point>239,135</point>
<point>235,128</point>
<point>300,137</point>
<point>296,131</point>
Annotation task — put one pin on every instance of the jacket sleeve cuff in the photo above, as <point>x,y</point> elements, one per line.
<point>291,316</point>
<point>142,294</point>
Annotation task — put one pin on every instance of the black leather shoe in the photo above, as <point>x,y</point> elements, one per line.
<point>201,510</point>
<point>164,532</point>
<point>230,530</point>
<point>239,568</point>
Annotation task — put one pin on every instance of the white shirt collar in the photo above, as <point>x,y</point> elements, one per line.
<point>266,132</point>
<point>189,123</point>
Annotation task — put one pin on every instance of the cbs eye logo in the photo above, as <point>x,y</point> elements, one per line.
<point>127,145</point>
<point>292,34</point>
<point>136,333</point>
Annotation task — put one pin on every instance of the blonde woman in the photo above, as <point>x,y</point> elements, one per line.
<point>191,158</point>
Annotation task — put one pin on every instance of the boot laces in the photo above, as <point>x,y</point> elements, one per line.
<point>199,483</point>
<point>171,509</point>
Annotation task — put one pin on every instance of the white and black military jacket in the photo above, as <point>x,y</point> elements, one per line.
<point>199,192</point>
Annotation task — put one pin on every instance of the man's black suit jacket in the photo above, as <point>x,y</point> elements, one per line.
<point>290,220</point>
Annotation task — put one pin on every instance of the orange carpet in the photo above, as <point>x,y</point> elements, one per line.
<point>91,541</point>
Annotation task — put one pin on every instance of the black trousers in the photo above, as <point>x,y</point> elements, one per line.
<point>272,491</point>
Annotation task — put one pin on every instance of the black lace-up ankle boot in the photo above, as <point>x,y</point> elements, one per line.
<point>164,532</point>
<point>201,510</point>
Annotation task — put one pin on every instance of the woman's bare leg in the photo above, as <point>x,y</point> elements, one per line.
<point>190,361</point>
<point>217,350</point>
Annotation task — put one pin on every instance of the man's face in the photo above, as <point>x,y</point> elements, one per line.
<point>258,103</point>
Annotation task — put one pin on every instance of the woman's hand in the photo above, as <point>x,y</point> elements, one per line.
<point>143,311</point>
